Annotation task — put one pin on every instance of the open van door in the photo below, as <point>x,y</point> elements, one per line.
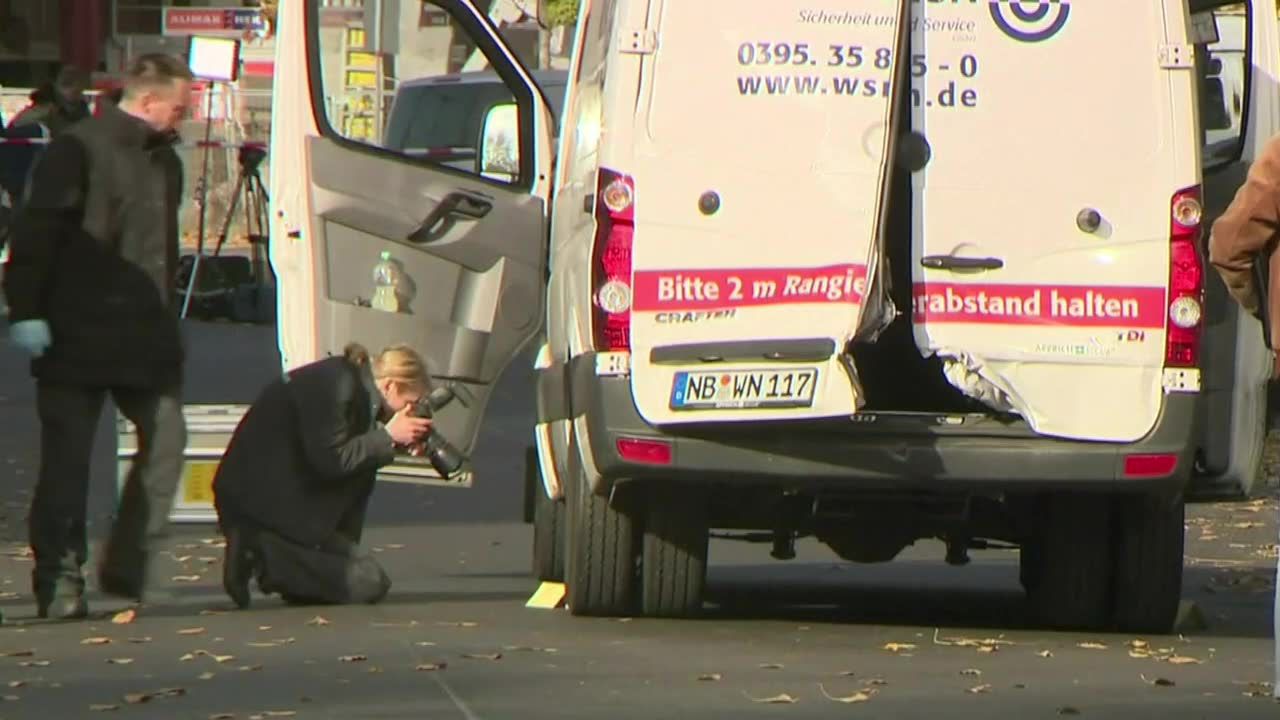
<point>1044,223</point>
<point>1237,47</point>
<point>467,240</point>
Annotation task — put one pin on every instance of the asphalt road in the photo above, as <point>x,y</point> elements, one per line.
<point>816,637</point>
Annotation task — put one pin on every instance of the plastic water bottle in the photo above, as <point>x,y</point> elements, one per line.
<point>386,278</point>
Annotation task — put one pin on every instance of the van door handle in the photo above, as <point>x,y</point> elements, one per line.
<point>951,262</point>
<point>457,203</point>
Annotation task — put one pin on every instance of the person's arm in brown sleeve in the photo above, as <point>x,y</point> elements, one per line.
<point>1248,226</point>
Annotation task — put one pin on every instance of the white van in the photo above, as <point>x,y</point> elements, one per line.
<point>864,271</point>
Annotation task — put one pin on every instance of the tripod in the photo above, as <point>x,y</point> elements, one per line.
<point>250,187</point>
<point>251,191</point>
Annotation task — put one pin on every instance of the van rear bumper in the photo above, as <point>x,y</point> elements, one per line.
<point>856,456</point>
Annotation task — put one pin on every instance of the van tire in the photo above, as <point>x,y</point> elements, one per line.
<point>548,536</point>
<point>1070,562</point>
<point>674,561</point>
<point>601,558</point>
<point>1150,536</point>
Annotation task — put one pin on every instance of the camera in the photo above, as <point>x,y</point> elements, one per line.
<point>444,457</point>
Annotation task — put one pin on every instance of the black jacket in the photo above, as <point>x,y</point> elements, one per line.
<point>95,253</point>
<point>304,458</point>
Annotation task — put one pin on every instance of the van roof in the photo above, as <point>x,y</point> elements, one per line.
<point>542,77</point>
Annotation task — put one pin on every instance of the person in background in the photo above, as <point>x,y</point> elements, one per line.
<point>293,486</point>
<point>89,284</point>
<point>58,105</point>
<point>1243,239</point>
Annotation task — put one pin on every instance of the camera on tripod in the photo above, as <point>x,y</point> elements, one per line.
<point>251,157</point>
<point>444,457</point>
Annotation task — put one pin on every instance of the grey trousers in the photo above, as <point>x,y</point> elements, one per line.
<point>68,421</point>
<point>337,572</point>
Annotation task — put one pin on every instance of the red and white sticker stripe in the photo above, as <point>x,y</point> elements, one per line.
<point>934,302</point>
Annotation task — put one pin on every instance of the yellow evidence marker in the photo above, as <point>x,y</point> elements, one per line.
<point>549,596</point>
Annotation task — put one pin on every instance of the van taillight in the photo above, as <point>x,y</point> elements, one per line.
<point>611,261</point>
<point>1186,282</point>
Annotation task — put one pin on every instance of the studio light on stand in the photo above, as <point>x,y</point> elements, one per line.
<point>215,60</point>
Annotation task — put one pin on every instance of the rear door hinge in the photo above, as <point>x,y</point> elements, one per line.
<point>1177,57</point>
<point>638,42</point>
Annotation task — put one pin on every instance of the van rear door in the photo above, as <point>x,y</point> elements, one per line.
<point>759,166</point>
<point>1042,223</point>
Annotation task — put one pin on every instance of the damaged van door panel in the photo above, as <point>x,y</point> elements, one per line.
<point>806,121</point>
<point>1043,265</point>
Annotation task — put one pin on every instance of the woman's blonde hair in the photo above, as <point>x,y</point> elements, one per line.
<point>399,363</point>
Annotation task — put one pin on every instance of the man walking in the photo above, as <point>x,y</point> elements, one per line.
<point>89,284</point>
<point>1242,246</point>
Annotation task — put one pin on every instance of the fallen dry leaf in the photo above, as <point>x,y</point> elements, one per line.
<point>188,657</point>
<point>222,716</point>
<point>208,611</point>
<point>1139,654</point>
<point>710,677</point>
<point>206,676</point>
<point>973,672</point>
<point>469,624</point>
<point>96,641</point>
<point>223,658</point>
<point>859,697</point>
<point>781,699</point>
<point>102,707</point>
<point>35,663</point>
<point>898,647</point>
<point>980,689</point>
<point>1068,710</point>
<point>264,627</point>
<point>1183,660</point>
<point>10,698</point>
<point>1091,646</point>
<point>263,644</point>
<point>318,620</point>
<point>15,684</point>
<point>137,698</point>
<point>988,649</point>
<point>249,668</point>
<point>483,656</point>
<point>1158,682</point>
<point>19,653</point>
<point>353,658</point>
<point>431,667</point>
<point>139,640</point>
<point>770,666</point>
<point>280,713</point>
<point>119,661</point>
<point>124,617</point>
<point>185,578</point>
<point>191,631</point>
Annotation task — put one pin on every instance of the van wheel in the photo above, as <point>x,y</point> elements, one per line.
<point>674,563</point>
<point>1069,575</point>
<point>601,554</point>
<point>1150,533</point>
<point>548,536</point>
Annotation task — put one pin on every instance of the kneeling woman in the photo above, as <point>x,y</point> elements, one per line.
<point>293,486</point>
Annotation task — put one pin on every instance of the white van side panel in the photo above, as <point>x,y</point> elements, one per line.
<point>1031,125</point>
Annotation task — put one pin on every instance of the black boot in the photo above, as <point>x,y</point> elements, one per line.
<point>63,608</point>
<point>238,566</point>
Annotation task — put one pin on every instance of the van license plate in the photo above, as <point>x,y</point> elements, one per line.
<point>744,389</point>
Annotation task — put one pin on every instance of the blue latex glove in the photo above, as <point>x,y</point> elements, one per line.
<point>32,336</point>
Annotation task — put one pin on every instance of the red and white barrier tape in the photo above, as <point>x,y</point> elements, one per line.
<point>197,144</point>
